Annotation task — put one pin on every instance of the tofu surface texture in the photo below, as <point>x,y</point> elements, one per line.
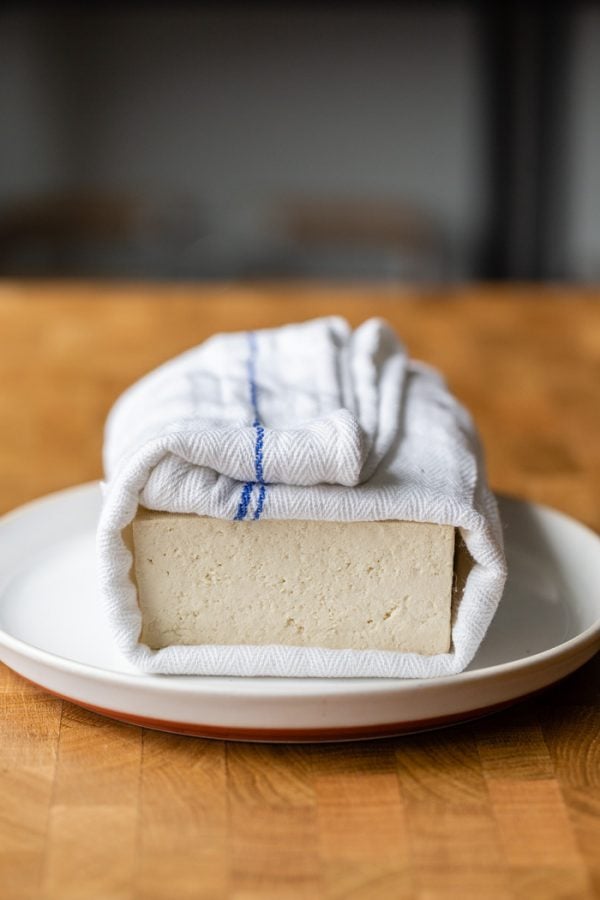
<point>355,585</point>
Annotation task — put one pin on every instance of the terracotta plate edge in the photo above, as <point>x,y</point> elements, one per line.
<point>297,735</point>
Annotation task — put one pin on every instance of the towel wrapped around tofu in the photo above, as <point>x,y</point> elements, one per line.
<point>291,497</point>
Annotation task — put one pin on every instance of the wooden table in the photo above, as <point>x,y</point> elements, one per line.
<point>505,807</point>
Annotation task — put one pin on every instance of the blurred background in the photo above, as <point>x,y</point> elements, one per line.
<point>414,141</point>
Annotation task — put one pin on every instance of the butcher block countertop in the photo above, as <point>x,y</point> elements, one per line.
<point>503,807</point>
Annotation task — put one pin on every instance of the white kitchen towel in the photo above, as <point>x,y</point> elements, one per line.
<point>306,421</point>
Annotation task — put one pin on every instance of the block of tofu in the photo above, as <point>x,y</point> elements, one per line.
<point>355,585</point>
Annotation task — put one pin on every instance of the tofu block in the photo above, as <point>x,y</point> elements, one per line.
<point>357,585</point>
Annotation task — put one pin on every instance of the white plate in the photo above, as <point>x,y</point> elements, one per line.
<point>52,632</point>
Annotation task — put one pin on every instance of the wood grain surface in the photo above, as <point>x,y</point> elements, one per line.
<point>505,807</point>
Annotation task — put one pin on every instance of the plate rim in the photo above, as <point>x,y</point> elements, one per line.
<point>301,735</point>
<point>265,686</point>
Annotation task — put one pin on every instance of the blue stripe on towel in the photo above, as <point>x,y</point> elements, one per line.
<point>242,509</point>
<point>244,501</point>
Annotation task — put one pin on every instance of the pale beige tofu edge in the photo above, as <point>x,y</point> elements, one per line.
<point>356,585</point>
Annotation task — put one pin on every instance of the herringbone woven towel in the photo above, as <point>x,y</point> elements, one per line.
<point>308,421</point>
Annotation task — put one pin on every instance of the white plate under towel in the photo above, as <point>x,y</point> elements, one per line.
<point>51,632</point>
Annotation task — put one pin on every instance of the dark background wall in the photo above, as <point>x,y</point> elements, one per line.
<point>424,141</point>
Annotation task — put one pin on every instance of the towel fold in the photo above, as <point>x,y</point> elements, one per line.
<point>308,421</point>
